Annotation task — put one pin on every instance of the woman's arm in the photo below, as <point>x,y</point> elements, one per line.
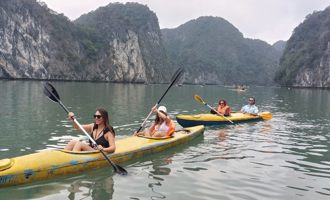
<point>88,127</point>
<point>112,145</point>
<point>162,116</point>
<point>228,110</point>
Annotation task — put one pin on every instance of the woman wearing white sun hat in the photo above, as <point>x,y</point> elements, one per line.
<point>163,126</point>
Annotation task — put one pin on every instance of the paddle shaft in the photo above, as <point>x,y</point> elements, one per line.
<point>218,112</point>
<point>93,141</point>
<point>145,120</point>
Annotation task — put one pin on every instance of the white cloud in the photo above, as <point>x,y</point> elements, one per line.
<point>268,20</point>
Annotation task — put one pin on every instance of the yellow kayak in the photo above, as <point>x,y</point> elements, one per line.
<point>53,163</point>
<point>214,120</point>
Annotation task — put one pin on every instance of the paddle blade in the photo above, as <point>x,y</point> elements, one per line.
<point>266,115</point>
<point>199,99</point>
<point>51,92</point>
<point>121,170</point>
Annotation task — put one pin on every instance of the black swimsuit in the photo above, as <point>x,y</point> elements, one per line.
<point>101,140</point>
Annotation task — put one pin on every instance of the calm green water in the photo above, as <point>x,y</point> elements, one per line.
<point>284,158</point>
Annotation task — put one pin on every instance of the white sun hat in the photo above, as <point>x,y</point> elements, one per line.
<point>162,108</point>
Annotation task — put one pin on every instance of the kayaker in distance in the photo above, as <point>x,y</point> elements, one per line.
<point>250,108</point>
<point>101,131</point>
<point>163,126</point>
<point>222,108</point>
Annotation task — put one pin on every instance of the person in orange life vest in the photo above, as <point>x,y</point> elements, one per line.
<point>101,131</point>
<point>163,126</point>
<point>222,108</point>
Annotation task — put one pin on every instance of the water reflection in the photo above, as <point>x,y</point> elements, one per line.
<point>100,188</point>
<point>92,185</point>
<point>159,169</point>
<point>221,135</point>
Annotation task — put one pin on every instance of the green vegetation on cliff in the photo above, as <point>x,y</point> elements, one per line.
<point>113,23</point>
<point>215,52</point>
<point>306,53</point>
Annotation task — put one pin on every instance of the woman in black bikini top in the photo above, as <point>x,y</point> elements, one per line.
<point>101,131</point>
<point>101,140</point>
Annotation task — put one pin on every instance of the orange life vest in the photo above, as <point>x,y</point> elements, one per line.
<point>170,125</point>
<point>224,110</point>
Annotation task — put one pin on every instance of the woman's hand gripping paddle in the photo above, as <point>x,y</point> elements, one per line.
<point>201,101</point>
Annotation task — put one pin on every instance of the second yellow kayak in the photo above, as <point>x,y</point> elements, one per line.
<point>213,120</point>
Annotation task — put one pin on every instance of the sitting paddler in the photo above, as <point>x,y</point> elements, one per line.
<point>101,131</point>
<point>250,108</point>
<point>222,108</point>
<point>163,126</point>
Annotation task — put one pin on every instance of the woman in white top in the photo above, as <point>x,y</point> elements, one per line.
<point>163,126</point>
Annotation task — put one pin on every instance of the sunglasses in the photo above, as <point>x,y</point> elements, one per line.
<point>98,116</point>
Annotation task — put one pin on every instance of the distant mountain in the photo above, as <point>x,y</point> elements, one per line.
<point>123,43</point>
<point>279,45</point>
<point>215,52</point>
<point>306,58</point>
<point>117,43</point>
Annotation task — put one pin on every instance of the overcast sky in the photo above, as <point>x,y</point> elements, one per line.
<point>268,20</point>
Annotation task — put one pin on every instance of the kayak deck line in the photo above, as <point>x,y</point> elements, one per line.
<point>6,163</point>
<point>52,163</point>
<point>213,120</point>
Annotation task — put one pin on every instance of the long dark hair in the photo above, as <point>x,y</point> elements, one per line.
<point>224,101</point>
<point>105,117</point>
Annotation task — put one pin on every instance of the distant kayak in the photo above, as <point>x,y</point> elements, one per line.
<point>214,120</point>
<point>49,164</point>
<point>240,90</point>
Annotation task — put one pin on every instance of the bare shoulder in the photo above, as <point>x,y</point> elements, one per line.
<point>168,119</point>
<point>109,133</point>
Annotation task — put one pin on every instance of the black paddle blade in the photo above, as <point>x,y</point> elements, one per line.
<point>121,170</point>
<point>51,92</point>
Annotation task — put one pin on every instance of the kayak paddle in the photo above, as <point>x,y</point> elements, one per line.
<point>201,101</point>
<point>52,94</point>
<point>174,79</point>
<point>266,115</point>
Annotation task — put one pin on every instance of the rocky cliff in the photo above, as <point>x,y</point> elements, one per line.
<point>31,44</point>
<point>118,43</point>
<point>134,48</point>
<point>306,58</point>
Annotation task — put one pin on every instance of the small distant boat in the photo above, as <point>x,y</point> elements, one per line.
<point>240,88</point>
